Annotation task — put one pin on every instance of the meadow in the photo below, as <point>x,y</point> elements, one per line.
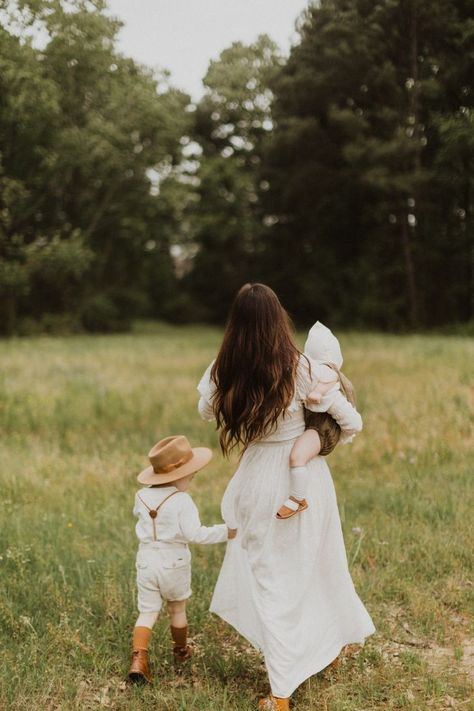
<point>78,416</point>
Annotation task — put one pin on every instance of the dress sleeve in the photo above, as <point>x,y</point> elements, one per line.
<point>228,505</point>
<point>303,383</point>
<point>206,389</point>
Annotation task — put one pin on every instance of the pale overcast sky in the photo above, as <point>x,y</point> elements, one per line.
<point>183,35</point>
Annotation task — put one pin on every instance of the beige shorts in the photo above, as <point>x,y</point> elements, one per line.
<point>163,573</point>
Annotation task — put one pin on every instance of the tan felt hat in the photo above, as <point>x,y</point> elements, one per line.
<point>173,458</point>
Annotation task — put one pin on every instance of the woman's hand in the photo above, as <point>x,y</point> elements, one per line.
<point>231,533</point>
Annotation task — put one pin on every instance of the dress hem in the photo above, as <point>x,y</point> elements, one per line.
<point>223,616</point>
<point>310,670</point>
<point>316,669</point>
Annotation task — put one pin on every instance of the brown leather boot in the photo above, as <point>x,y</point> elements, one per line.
<point>182,651</point>
<point>273,703</point>
<point>140,667</point>
<point>182,654</point>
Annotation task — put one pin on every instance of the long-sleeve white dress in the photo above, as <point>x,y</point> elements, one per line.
<point>285,585</point>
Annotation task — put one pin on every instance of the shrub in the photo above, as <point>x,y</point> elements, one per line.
<point>57,270</point>
<point>101,315</point>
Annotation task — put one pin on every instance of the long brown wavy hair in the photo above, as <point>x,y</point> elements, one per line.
<point>255,368</point>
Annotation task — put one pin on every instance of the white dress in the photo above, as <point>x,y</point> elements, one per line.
<point>285,585</point>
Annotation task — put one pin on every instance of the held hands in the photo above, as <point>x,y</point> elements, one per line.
<point>231,533</point>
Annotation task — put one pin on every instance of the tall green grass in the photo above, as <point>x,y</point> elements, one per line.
<point>77,417</point>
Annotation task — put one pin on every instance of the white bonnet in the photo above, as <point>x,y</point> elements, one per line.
<point>322,344</point>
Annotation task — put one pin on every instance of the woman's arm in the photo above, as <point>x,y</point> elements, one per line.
<point>205,409</point>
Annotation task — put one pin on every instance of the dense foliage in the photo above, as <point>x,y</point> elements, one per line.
<point>83,131</point>
<point>372,160</point>
<point>342,176</point>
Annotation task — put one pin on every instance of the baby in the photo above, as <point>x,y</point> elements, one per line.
<point>167,521</point>
<point>322,432</point>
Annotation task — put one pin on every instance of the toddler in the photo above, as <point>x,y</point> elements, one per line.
<point>322,432</point>
<point>167,521</point>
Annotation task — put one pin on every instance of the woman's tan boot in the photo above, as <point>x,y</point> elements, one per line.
<point>274,703</point>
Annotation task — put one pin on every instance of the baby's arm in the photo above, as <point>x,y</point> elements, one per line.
<point>316,395</point>
<point>346,416</point>
<point>335,404</point>
<point>193,530</point>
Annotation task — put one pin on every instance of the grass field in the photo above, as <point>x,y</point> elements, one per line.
<point>77,418</point>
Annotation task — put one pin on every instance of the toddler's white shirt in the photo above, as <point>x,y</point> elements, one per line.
<point>177,521</point>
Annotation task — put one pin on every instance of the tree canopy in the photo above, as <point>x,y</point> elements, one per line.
<point>368,107</point>
<point>83,133</point>
<point>342,175</point>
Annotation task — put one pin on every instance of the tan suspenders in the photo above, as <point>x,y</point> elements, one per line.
<point>153,513</point>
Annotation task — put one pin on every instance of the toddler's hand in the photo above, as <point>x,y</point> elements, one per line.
<point>231,533</point>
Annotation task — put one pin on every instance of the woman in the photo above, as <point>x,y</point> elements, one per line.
<point>284,585</point>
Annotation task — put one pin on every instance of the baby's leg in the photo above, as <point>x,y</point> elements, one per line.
<point>307,446</point>
<point>179,630</point>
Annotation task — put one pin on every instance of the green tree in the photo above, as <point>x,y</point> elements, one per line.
<point>94,127</point>
<point>232,123</point>
<point>359,232</point>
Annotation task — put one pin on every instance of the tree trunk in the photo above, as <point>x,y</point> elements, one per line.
<point>9,313</point>
<point>408,231</point>
<point>468,229</point>
<point>407,247</point>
